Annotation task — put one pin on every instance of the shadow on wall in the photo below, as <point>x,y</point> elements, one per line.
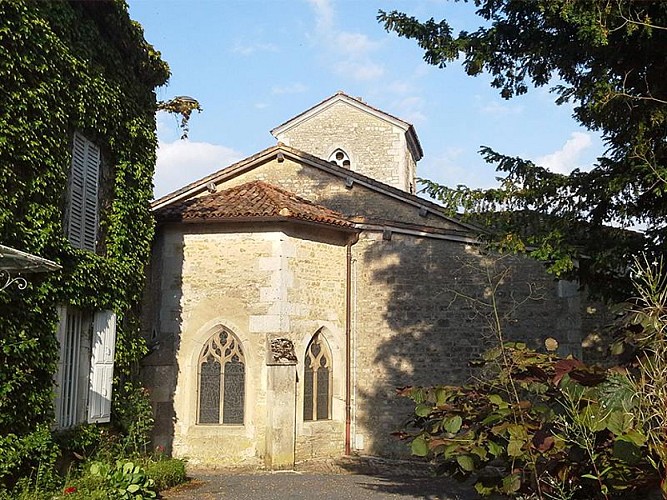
<point>418,315</point>
<point>162,326</point>
<point>423,310</point>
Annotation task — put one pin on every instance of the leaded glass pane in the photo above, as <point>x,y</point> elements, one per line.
<point>222,349</point>
<point>209,392</point>
<point>232,407</point>
<point>322,394</point>
<point>308,394</point>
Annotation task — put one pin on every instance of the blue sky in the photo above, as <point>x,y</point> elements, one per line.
<point>255,64</point>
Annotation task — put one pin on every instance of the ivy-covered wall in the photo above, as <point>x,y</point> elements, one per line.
<point>69,66</point>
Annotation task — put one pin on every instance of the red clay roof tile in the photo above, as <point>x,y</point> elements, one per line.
<point>252,200</point>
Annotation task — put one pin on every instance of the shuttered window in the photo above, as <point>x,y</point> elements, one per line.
<point>101,367</point>
<point>85,368</point>
<point>83,194</point>
<point>69,379</point>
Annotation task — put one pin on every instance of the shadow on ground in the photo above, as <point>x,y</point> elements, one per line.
<point>348,478</point>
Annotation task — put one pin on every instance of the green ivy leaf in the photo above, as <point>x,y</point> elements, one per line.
<point>423,410</point>
<point>494,448</point>
<point>514,447</point>
<point>466,462</point>
<point>419,446</point>
<point>511,483</point>
<point>453,424</point>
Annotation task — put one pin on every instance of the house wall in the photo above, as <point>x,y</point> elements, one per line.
<point>260,284</point>
<point>376,147</point>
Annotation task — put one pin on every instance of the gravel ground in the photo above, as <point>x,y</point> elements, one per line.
<point>346,479</point>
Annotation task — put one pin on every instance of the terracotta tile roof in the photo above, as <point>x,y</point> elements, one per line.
<point>251,201</point>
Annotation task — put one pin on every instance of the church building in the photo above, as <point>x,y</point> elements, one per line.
<point>291,293</point>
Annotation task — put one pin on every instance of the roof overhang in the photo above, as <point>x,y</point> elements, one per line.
<point>200,186</point>
<point>16,261</point>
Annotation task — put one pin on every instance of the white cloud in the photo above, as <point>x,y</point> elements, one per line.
<point>358,70</point>
<point>452,166</point>
<point>324,14</point>
<point>355,44</point>
<point>347,53</point>
<point>566,158</point>
<point>246,49</point>
<point>295,88</point>
<point>182,161</point>
<point>410,109</point>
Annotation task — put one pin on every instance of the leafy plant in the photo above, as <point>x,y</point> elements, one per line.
<point>568,425</point>
<point>606,59</point>
<point>125,480</point>
<point>66,67</point>
<point>133,416</point>
<point>166,472</point>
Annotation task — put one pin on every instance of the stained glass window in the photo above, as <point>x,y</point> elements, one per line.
<point>317,380</point>
<point>221,380</point>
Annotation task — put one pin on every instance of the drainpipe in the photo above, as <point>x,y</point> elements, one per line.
<point>348,350</point>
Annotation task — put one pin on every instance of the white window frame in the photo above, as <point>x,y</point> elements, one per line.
<point>83,194</point>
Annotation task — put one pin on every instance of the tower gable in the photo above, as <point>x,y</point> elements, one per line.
<point>348,132</point>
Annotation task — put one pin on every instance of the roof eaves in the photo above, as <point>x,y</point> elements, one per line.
<point>314,161</point>
<point>198,186</point>
<point>347,227</point>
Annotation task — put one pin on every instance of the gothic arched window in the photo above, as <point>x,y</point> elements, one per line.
<point>221,377</point>
<point>340,158</point>
<point>317,380</point>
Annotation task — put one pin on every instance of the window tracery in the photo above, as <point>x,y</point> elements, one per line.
<point>221,380</point>
<point>317,380</point>
<point>340,158</point>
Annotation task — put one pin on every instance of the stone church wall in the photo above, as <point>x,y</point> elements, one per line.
<point>375,146</point>
<point>325,189</point>
<point>413,326</point>
<point>260,284</point>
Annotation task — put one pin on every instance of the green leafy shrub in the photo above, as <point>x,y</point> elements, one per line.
<point>66,67</point>
<point>133,416</point>
<point>35,453</point>
<point>166,473</point>
<point>536,424</point>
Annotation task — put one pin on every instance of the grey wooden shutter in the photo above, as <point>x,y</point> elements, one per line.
<point>101,366</point>
<point>84,185</point>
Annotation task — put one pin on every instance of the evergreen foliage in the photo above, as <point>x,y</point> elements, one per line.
<point>609,59</point>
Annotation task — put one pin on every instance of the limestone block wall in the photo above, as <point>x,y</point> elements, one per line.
<point>413,326</point>
<point>206,277</point>
<point>318,273</point>
<point>325,189</point>
<point>376,147</point>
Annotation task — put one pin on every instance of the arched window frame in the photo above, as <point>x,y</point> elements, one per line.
<point>317,361</point>
<point>224,349</point>
<point>340,158</point>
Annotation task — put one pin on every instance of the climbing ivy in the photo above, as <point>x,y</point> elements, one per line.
<point>69,66</point>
